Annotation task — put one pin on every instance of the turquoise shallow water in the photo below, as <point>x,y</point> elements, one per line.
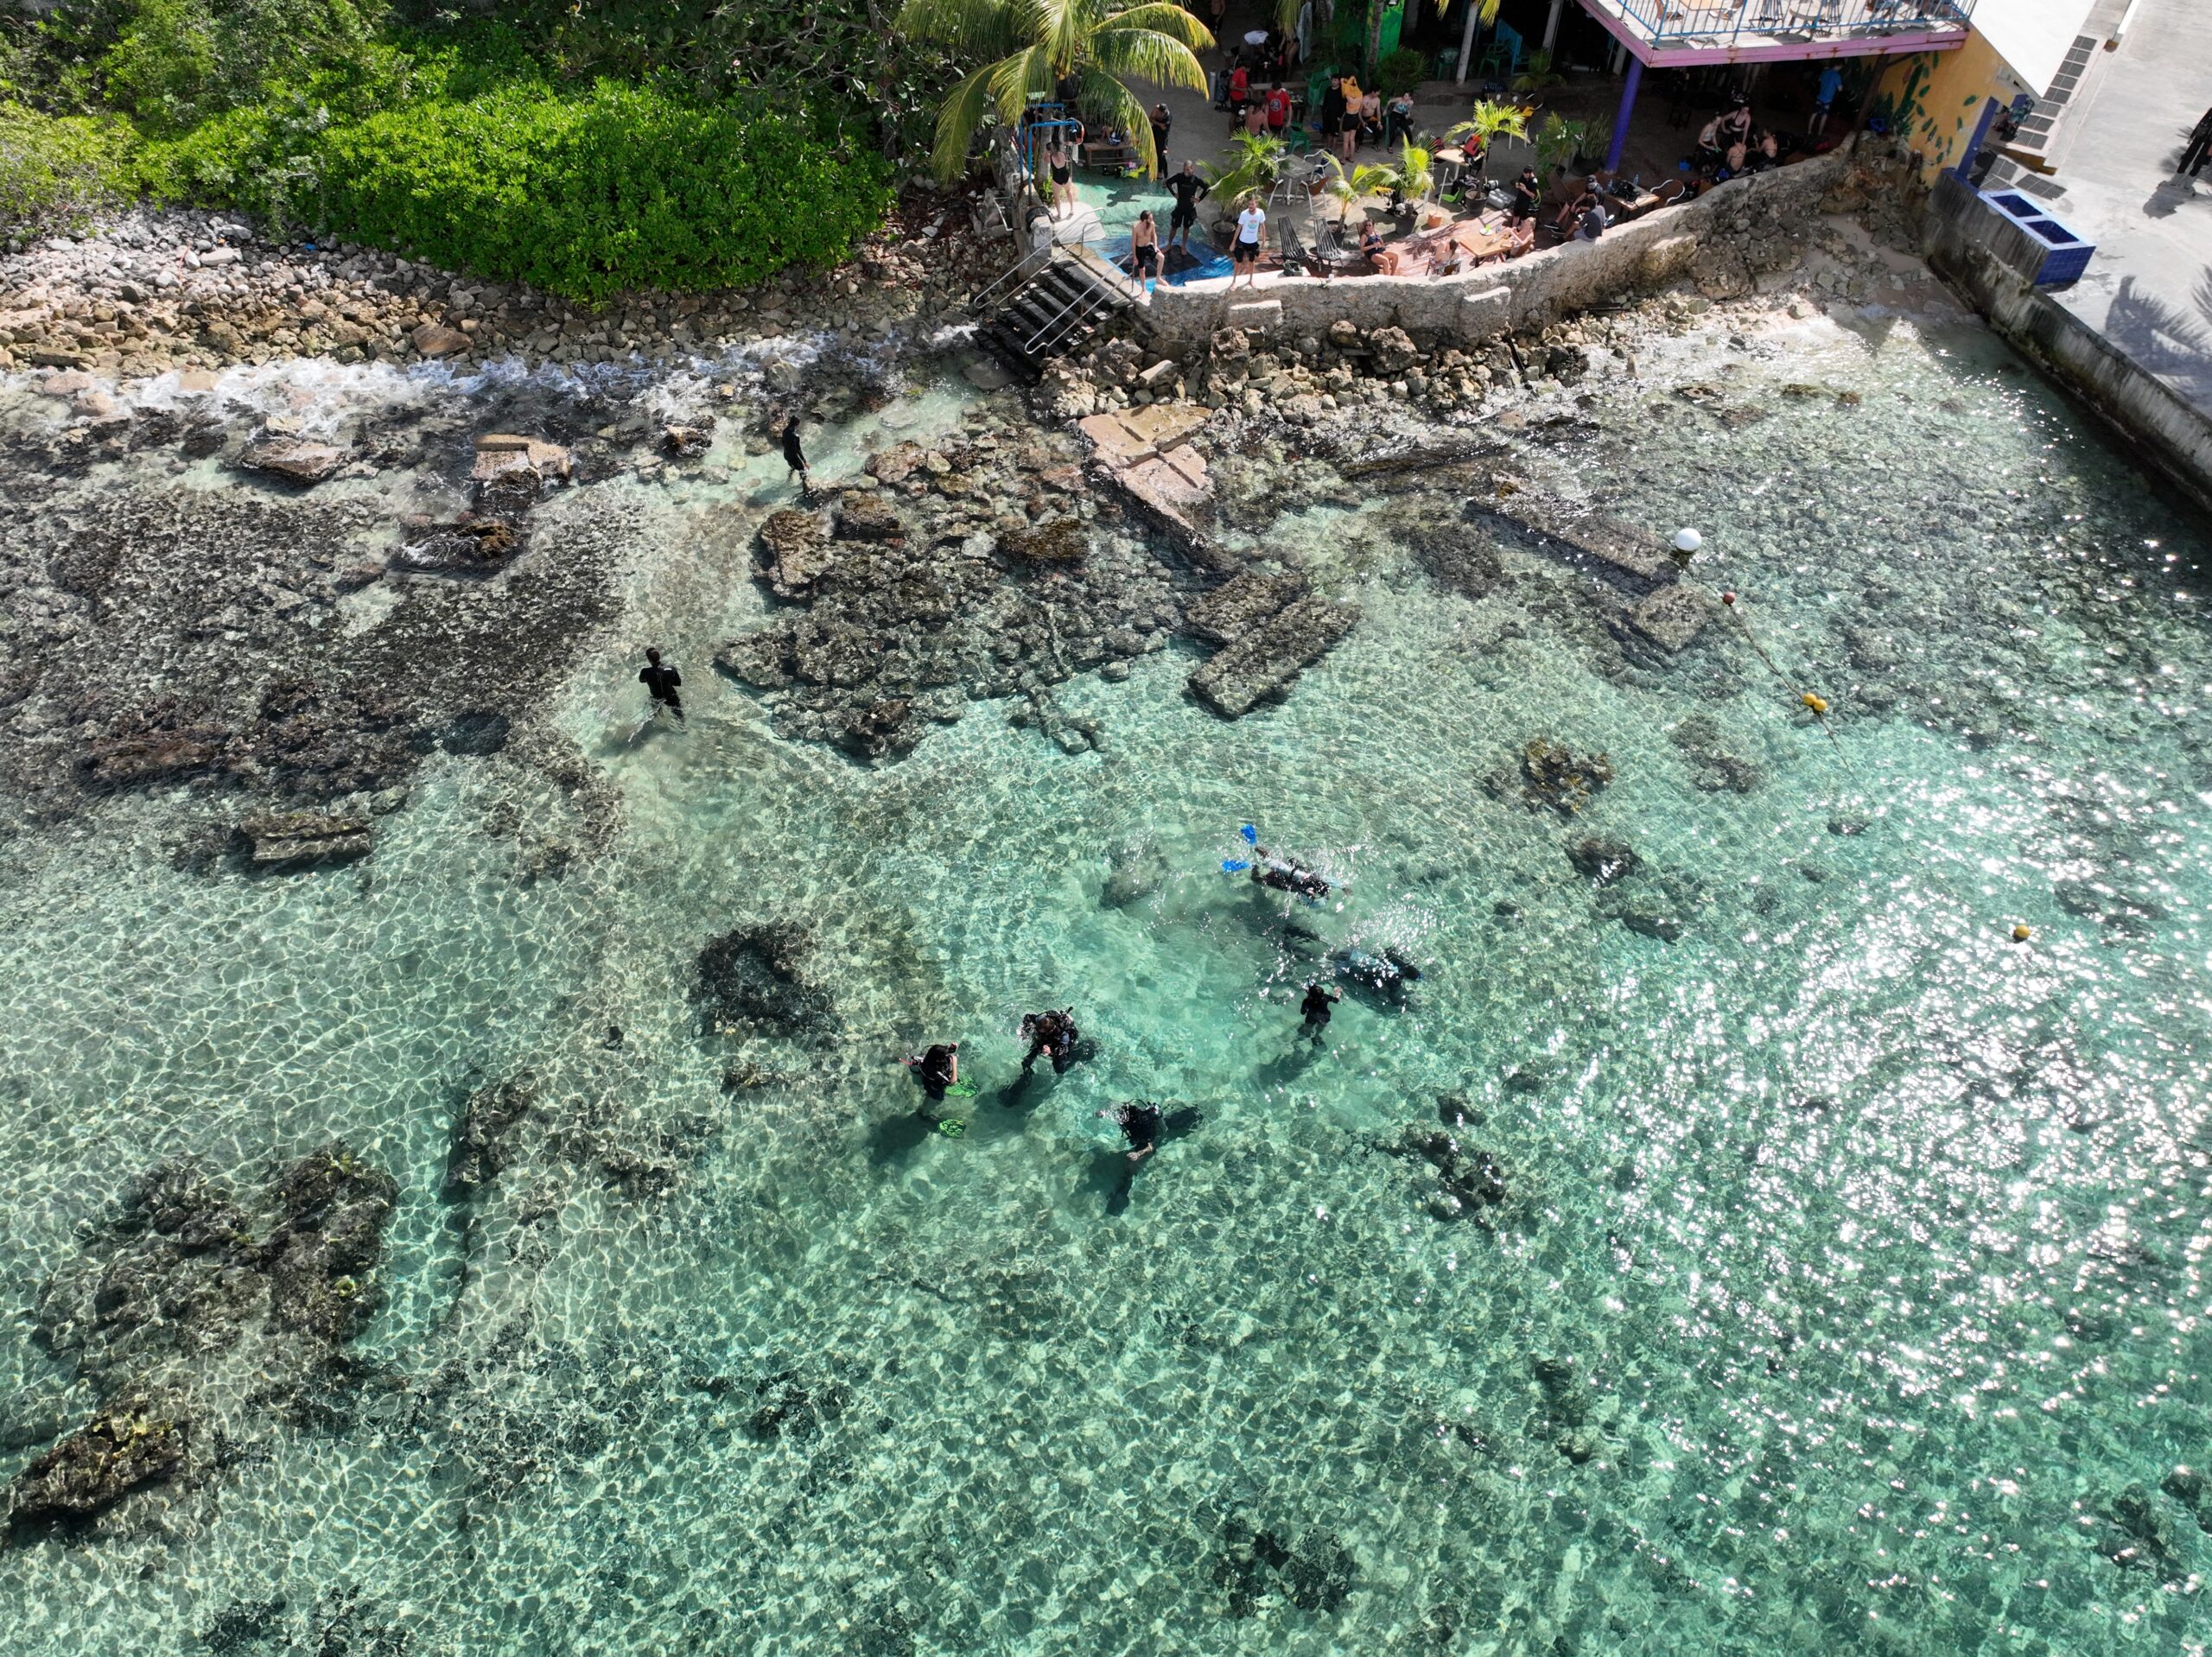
<point>1860,1251</point>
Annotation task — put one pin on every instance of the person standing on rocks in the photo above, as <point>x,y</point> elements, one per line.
<point>662,684</point>
<point>795,457</point>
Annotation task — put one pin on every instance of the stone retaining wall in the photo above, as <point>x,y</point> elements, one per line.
<point>1992,262</point>
<point>1524,293</point>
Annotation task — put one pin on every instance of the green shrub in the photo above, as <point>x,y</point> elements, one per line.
<point>176,62</point>
<point>1400,71</point>
<point>620,187</point>
<point>55,169</point>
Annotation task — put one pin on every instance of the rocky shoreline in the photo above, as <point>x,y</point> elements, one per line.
<point>146,292</point>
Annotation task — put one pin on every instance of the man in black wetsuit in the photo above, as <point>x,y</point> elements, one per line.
<point>1051,1034</point>
<point>1315,1009</point>
<point>1528,194</point>
<point>795,458</point>
<point>1188,190</point>
<point>661,682</point>
<point>1140,1122</point>
<point>935,1069</point>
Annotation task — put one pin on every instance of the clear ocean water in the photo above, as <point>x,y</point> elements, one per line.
<point>1857,1252</point>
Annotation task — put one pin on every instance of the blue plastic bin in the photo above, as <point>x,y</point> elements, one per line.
<point>2066,254</point>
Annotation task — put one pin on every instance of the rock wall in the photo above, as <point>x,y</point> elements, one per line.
<point>1728,225</point>
<point>1989,262</point>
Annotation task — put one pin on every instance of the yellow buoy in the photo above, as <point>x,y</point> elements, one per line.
<point>2022,933</point>
<point>1814,703</point>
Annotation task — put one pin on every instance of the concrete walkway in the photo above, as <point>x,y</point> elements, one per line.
<point>2149,288</point>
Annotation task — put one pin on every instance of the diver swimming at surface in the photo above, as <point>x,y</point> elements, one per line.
<point>1282,875</point>
<point>1383,969</point>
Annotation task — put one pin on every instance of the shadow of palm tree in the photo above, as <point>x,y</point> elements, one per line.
<point>2204,295</point>
<point>2162,339</point>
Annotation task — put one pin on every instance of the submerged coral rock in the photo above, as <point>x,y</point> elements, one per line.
<point>467,546</point>
<point>862,516</point>
<point>795,552</point>
<point>1237,606</point>
<point>327,1242</point>
<point>1555,776</point>
<point>752,980</point>
<point>1272,635</point>
<point>297,839</point>
<point>1603,857</point>
<point>117,1451</point>
<point>1057,541</point>
<point>1712,768</point>
<point>480,1148</point>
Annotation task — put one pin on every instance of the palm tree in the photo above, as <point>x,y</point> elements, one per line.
<point>1258,159</point>
<point>1346,188</point>
<point>1032,45</point>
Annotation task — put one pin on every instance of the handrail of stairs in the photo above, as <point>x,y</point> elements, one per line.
<point>1026,266</point>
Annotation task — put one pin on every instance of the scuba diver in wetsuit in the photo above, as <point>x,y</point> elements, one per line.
<point>1315,1009</point>
<point>1053,1035</point>
<point>1282,875</point>
<point>935,1069</point>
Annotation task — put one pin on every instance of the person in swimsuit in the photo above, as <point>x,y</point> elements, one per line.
<point>1049,1035</point>
<point>1062,166</point>
<point>1188,189</point>
<point>661,682</point>
<point>1313,1012</point>
<point>1144,249</point>
<point>935,1069</point>
<point>1244,256</point>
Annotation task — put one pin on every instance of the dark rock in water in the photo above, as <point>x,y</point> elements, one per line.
<point>468,546</point>
<point>1134,871</point>
<point>477,736</point>
<point>1713,768</point>
<point>1603,857</point>
<point>1052,544</point>
<point>2186,1486</point>
<point>794,552</point>
<point>1239,607</point>
<point>1642,912</point>
<point>881,727</point>
<point>1579,1445</point>
<point>1316,1576</point>
<point>306,464</point>
<point>124,1447</point>
<point>1263,664</point>
<point>2141,1534</point>
<point>138,759</point>
<point>792,1408</point>
<point>1458,559</point>
<point>329,1236</point>
<point>488,1116</point>
<point>1848,826</point>
<point>1467,1179</point>
<point>864,515</point>
<point>688,443</point>
<point>243,1624</point>
<point>1671,617</point>
<point>753,981</point>
<point>282,840</point>
<point>1568,364</point>
<point>1556,777</point>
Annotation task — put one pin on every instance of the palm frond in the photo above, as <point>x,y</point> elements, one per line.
<point>983,29</point>
<point>1146,54</point>
<point>1124,108</point>
<point>1171,21</point>
<point>956,121</point>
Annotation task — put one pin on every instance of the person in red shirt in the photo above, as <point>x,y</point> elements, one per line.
<point>1278,109</point>
<point>1240,94</point>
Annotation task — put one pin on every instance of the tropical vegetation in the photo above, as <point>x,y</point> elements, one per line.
<point>1032,48</point>
<point>676,143</point>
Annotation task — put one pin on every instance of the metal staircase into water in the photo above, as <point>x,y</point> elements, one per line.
<point>1048,304</point>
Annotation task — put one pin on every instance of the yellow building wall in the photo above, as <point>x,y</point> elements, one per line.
<point>1936,98</point>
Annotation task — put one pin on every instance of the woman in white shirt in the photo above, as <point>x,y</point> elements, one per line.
<point>1244,256</point>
